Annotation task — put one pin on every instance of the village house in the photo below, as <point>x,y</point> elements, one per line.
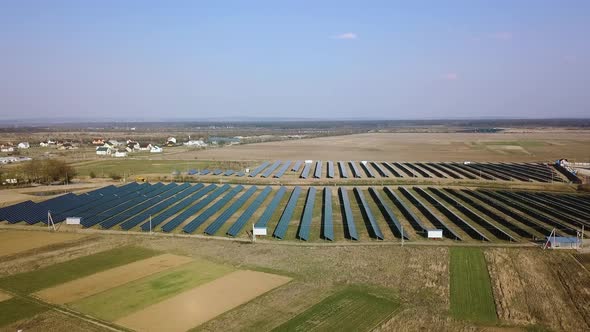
<point>104,151</point>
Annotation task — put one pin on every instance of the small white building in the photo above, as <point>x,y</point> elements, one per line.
<point>195,143</point>
<point>44,144</point>
<point>6,148</point>
<point>156,149</point>
<point>23,145</point>
<point>115,143</point>
<point>120,154</point>
<point>145,147</point>
<point>104,151</point>
<point>171,140</point>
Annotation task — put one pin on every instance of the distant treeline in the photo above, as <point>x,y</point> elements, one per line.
<point>290,126</point>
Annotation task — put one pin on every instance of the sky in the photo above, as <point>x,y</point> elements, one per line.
<point>165,60</point>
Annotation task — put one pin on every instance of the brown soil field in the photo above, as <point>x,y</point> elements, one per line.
<point>540,287</point>
<point>196,306</point>
<point>99,282</point>
<point>55,321</point>
<point>12,242</point>
<point>4,296</point>
<point>508,146</point>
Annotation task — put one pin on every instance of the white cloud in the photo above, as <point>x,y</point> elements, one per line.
<point>346,35</point>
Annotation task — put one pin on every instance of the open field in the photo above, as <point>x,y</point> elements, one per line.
<point>200,304</point>
<point>351,309</point>
<point>471,292</point>
<point>418,279</point>
<point>15,309</point>
<point>12,242</point>
<point>123,300</point>
<point>105,280</point>
<point>56,274</point>
<point>4,296</point>
<point>509,146</point>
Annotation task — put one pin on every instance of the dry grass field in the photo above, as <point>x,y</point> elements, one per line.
<point>532,289</point>
<point>16,242</point>
<point>507,146</point>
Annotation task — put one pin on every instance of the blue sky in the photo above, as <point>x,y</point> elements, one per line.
<point>149,60</point>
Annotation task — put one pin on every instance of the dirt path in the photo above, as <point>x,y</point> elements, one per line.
<point>96,283</point>
<point>196,306</point>
<point>12,242</point>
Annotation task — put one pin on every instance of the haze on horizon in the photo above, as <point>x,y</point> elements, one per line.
<point>148,60</point>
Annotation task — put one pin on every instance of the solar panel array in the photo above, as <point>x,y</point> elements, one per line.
<point>420,170</point>
<point>462,214</point>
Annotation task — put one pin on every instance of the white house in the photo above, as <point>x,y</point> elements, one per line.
<point>171,140</point>
<point>103,151</point>
<point>195,143</point>
<point>23,145</point>
<point>156,149</point>
<point>44,144</point>
<point>145,147</point>
<point>6,148</point>
<point>120,154</point>
<point>115,143</point>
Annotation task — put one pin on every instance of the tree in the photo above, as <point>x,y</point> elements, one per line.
<point>48,170</point>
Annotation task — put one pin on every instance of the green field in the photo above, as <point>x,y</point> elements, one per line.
<point>128,167</point>
<point>123,300</point>
<point>15,309</point>
<point>471,291</point>
<point>56,274</point>
<point>351,309</point>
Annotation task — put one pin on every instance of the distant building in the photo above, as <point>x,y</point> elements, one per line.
<point>104,151</point>
<point>197,143</point>
<point>115,143</point>
<point>132,145</point>
<point>44,144</point>
<point>23,145</point>
<point>120,154</point>
<point>98,141</point>
<point>156,149</point>
<point>6,148</point>
<point>171,140</point>
<point>145,147</point>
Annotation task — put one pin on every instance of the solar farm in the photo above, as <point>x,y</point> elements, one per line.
<point>311,213</point>
<point>367,170</point>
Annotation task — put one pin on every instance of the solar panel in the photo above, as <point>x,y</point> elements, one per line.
<point>305,225</point>
<point>217,172</point>
<point>365,166</point>
<point>318,170</point>
<point>330,169</point>
<point>225,215</point>
<point>271,169</point>
<point>355,171</point>
<point>380,170</point>
<point>297,166</point>
<point>374,229</point>
<point>200,219</point>
<point>350,230</point>
<point>179,219</point>
<point>281,228</point>
<point>236,228</point>
<point>306,170</point>
<point>283,169</point>
<point>410,216</point>
<point>394,224</point>
<point>271,208</point>
<point>258,169</point>
<point>228,172</point>
<point>392,170</point>
<point>460,222</point>
<point>343,171</point>
<point>198,190</point>
<point>328,224</point>
<point>205,172</point>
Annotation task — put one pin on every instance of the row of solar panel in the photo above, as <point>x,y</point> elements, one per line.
<point>487,171</point>
<point>146,206</point>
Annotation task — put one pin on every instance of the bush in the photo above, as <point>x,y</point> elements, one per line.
<point>92,175</point>
<point>115,176</point>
